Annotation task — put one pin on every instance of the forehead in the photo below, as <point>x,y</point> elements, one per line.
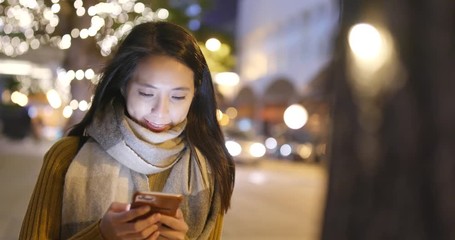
<point>163,71</point>
<point>163,64</point>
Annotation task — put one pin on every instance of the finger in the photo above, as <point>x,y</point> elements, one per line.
<point>117,210</point>
<point>149,224</point>
<point>151,232</point>
<point>143,234</point>
<point>179,213</point>
<point>119,207</point>
<point>177,224</point>
<point>148,232</point>
<point>154,236</point>
<point>168,233</point>
<point>128,216</point>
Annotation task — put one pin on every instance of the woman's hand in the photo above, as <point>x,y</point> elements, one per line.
<point>117,223</point>
<point>173,227</point>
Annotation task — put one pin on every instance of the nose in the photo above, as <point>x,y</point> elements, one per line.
<point>161,107</point>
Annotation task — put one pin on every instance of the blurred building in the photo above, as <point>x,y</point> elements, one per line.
<point>24,106</point>
<point>282,48</point>
<point>283,45</point>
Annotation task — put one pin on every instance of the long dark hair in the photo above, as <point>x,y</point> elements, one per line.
<point>202,130</point>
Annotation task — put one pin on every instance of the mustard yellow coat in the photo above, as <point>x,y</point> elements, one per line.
<point>43,217</point>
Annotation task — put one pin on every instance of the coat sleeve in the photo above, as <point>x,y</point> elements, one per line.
<point>43,217</point>
<point>217,231</point>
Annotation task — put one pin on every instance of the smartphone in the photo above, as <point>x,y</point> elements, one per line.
<point>164,203</point>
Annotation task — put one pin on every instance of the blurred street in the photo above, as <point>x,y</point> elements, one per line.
<point>276,200</point>
<point>272,199</point>
<point>20,162</point>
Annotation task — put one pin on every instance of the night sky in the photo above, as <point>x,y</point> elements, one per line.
<point>221,15</point>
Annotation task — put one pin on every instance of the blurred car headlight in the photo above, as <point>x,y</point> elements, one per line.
<point>233,148</point>
<point>257,150</point>
<point>285,150</point>
<point>305,150</point>
<point>271,143</point>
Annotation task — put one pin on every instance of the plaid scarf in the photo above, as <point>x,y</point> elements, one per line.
<point>115,162</point>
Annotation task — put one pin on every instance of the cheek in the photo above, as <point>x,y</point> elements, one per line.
<point>132,112</point>
<point>181,113</point>
<point>136,109</point>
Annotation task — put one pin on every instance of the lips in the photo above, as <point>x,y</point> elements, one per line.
<point>157,127</point>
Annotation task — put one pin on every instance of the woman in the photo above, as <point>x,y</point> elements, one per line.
<point>152,127</point>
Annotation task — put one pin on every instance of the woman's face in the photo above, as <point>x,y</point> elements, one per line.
<point>160,93</point>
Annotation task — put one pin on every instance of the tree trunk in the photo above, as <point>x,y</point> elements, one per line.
<point>392,154</point>
<point>83,54</point>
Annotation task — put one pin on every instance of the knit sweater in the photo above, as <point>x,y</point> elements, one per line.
<point>43,217</point>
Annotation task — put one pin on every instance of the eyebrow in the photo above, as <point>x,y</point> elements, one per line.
<point>151,86</point>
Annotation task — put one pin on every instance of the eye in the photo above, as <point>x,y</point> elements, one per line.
<point>178,97</point>
<point>146,94</point>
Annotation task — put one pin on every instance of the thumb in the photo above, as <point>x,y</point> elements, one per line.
<point>179,213</point>
<point>119,207</point>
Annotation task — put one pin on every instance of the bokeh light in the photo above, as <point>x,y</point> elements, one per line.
<point>257,150</point>
<point>295,116</point>
<point>233,148</point>
<point>365,41</point>
<point>53,98</point>
<point>271,143</point>
<point>213,44</point>
<point>227,78</point>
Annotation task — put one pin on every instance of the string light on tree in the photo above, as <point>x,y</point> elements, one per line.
<point>30,24</point>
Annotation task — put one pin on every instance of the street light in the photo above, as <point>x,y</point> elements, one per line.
<point>213,44</point>
<point>227,83</point>
<point>295,116</point>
